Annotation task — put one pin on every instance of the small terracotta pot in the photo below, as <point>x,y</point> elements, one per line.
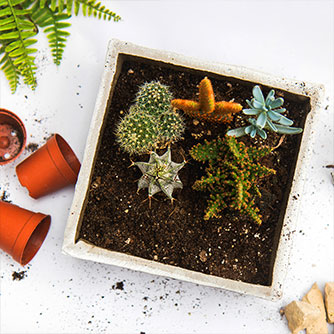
<point>13,136</point>
<point>22,232</point>
<point>50,168</point>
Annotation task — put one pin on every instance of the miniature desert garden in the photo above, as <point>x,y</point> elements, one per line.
<point>194,170</point>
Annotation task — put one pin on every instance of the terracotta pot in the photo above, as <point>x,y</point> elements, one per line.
<point>50,168</point>
<point>12,136</point>
<point>22,232</point>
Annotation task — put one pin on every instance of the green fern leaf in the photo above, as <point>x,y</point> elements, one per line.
<point>8,26</point>
<point>89,8</point>
<point>69,6</point>
<point>11,71</point>
<point>6,21</point>
<point>19,20</point>
<point>5,12</point>
<point>54,25</point>
<point>53,5</point>
<point>16,38</point>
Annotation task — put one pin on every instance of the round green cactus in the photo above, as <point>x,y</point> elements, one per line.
<point>171,126</point>
<point>136,133</point>
<point>154,97</point>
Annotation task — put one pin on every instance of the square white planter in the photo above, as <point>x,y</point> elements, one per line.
<point>117,52</point>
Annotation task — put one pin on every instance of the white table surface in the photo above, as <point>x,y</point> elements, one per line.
<point>61,294</point>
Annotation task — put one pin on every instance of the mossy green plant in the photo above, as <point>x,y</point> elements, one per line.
<point>232,176</point>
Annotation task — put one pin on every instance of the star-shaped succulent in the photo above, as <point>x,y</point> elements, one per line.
<point>160,173</point>
<point>207,108</point>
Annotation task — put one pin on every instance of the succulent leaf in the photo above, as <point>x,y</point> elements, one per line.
<point>285,121</point>
<point>250,111</point>
<point>257,93</point>
<point>271,125</point>
<point>274,115</point>
<point>270,97</point>
<point>262,133</point>
<point>238,132</point>
<point>288,130</point>
<point>262,119</point>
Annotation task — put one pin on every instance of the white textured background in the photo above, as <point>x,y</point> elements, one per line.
<point>66,295</point>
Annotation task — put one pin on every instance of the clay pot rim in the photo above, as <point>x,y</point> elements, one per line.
<point>10,114</point>
<point>64,158</point>
<point>37,223</point>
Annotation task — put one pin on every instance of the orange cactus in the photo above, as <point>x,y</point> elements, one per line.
<point>207,108</point>
<point>206,96</point>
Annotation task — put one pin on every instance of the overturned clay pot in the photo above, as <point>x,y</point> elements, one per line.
<point>50,168</point>
<point>22,232</point>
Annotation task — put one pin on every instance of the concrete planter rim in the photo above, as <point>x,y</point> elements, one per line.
<point>84,250</point>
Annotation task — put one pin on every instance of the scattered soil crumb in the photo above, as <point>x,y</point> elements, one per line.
<point>118,286</point>
<point>4,197</point>
<point>46,138</point>
<point>18,276</point>
<point>32,147</point>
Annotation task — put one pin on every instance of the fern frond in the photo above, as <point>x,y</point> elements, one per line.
<point>19,22</point>
<point>11,71</point>
<point>88,8</point>
<point>16,37</point>
<point>53,25</point>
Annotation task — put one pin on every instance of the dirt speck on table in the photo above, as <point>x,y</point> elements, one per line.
<point>18,276</point>
<point>118,286</point>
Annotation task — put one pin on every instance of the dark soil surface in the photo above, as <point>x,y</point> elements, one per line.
<point>118,218</point>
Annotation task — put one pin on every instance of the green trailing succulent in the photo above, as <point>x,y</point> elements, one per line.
<point>232,176</point>
<point>20,21</point>
<point>150,122</point>
<point>160,173</point>
<point>269,116</point>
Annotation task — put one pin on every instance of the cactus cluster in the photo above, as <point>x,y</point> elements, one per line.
<point>154,97</point>
<point>269,116</point>
<point>160,173</point>
<point>207,109</point>
<point>231,176</point>
<point>150,122</point>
